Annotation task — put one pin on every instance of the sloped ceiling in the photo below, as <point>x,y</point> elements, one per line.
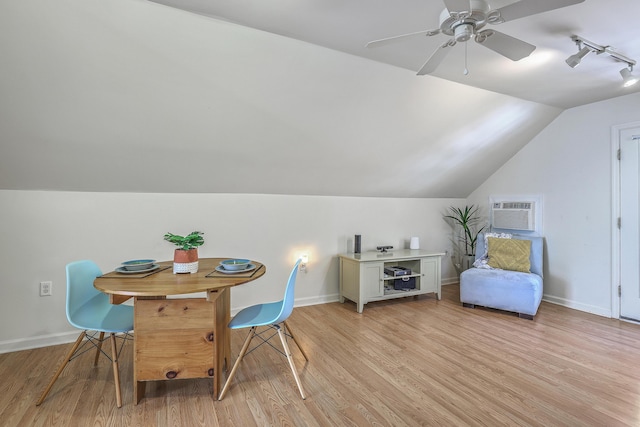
<point>133,96</point>
<point>542,77</point>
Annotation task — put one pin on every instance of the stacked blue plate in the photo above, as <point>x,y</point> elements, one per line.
<point>138,264</point>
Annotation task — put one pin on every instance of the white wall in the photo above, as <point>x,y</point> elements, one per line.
<point>569,164</point>
<point>42,231</point>
<point>110,95</point>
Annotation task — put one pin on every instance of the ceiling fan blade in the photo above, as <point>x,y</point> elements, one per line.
<point>436,58</point>
<point>510,47</point>
<point>457,5</point>
<point>524,8</point>
<point>382,42</point>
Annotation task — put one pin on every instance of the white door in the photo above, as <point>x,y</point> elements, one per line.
<point>629,223</point>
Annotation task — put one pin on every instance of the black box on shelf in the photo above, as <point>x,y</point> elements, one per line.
<point>397,271</point>
<point>404,283</point>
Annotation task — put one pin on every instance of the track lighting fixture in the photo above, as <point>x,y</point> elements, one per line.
<point>585,47</point>
<point>575,59</point>
<point>628,79</point>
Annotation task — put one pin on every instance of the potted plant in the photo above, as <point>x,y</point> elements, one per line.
<point>464,222</point>
<point>185,257</point>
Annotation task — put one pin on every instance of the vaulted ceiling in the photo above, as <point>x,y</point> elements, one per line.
<point>543,77</point>
<point>279,97</point>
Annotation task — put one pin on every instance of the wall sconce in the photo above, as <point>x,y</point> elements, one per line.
<point>304,259</point>
<point>585,47</point>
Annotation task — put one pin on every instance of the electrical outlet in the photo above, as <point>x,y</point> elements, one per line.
<point>46,288</point>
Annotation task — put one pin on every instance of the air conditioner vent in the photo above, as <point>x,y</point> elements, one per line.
<point>516,205</point>
<point>514,216</point>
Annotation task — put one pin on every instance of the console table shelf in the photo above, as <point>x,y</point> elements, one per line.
<point>362,277</point>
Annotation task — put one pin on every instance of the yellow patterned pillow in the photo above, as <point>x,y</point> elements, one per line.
<point>510,254</point>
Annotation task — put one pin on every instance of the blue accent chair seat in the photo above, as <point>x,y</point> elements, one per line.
<point>272,315</point>
<point>89,310</point>
<point>502,289</point>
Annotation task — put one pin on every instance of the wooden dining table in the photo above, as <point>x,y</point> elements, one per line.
<point>178,338</point>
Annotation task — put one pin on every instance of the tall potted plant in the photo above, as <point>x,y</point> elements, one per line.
<point>465,223</point>
<point>185,257</point>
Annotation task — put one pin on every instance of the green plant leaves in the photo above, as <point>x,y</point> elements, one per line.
<point>190,241</point>
<point>468,219</point>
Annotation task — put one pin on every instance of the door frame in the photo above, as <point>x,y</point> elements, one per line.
<point>616,130</point>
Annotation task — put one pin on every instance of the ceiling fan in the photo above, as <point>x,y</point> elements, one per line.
<point>464,19</point>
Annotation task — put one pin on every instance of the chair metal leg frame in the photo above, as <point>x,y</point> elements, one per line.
<point>270,328</point>
<point>97,342</point>
<point>78,348</point>
<point>266,340</point>
<point>286,353</point>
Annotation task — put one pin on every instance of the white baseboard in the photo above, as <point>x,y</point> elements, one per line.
<point>322,299</point>
<point>577,306</point>
<point>450,281</point>
<point>39,341</point>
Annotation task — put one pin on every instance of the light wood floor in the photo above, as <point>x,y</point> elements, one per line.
<point>407,362</point>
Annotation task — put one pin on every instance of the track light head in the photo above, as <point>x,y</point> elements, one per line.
<point>575,59</point>
<point>585,46</point>
<point>628,79</point>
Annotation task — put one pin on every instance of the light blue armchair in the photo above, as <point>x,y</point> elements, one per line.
<point>504,289</point>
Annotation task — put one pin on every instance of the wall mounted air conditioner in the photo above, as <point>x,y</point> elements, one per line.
<point>514,215</point>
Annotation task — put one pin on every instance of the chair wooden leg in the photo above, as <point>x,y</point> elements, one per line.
<point>98,348</point>
<point>62,366</point>
<point>286,325</point>
<point>116,370</point>
<point>287,352</point>
<point>245,346</point>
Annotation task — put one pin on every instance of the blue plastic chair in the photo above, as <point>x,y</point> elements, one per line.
<point>271,314</point>
<point>89,310</point>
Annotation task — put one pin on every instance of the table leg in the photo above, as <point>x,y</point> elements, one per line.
<point>139,387</point>
<point>138,390</point>
<point>221,301</point>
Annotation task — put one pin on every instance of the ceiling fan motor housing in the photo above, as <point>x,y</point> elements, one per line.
<point>462,24</point>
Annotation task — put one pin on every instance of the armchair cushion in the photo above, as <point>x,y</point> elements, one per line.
<point>510,254</point>
<point>505,289</point>
<point>482,261</point>
<point>502,289</point>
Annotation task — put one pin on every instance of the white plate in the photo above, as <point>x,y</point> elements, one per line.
<point>146,270</point>
<point>221,269</point>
